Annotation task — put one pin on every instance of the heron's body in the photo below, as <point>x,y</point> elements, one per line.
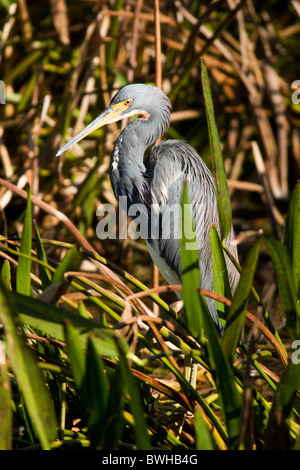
<point>156,183</point>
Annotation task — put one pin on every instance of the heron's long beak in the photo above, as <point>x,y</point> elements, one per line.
<point>111,114</point>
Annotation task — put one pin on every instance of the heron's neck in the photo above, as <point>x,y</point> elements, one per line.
<point>127,168</point>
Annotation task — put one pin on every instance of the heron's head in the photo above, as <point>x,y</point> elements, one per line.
<point>146,102</point>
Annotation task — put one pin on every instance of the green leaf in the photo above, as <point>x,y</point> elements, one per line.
<point>190,269</point>
<point>6,421</point>
<point>140,428</point>
<point>23,65</point>
<point>51,319</point>
<point>203,435</point>
<point>222,191</point>
<point>45,274</point>
<point>225,379</point>
<point>114,412</point>
<point>76,350</point>
<point>29,377</point>
<point>238,309</point>
<point>6,274</point>
<point>91,382</point>
<point>70,262</point>
<point>292,235</point>
<point>286,284</point>
<point>220,273</point>
<point>23,279</point>
<point>98,391</point>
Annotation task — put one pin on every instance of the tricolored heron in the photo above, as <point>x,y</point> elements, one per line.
<point>157,180</point>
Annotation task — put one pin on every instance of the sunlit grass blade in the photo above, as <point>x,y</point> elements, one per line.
<point>292,235</point>
<point>77,354</point>
<point>45,274</point>
<point>70,262</point>
<point>222,191</point>
<point>27,93</point>
<point>23,65</point>
<point>140,428</point>
<point>6,274</point>
<point>23,279</point>
<point>238,309</point>
<point>29,377</point>
<point>286,284</point>
<point>98,391</point>
<point>6,421</point>
<point>50,319</point>
<point>220,273</point>
<point>203,435</point>
<point>225,379</point>
<point>190,269</point>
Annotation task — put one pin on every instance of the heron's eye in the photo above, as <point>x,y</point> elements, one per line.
<point>128,102</point>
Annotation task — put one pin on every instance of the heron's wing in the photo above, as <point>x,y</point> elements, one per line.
<point>170,164</point>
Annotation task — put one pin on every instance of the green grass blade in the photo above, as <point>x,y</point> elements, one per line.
<point>190,269</point>
<point>23,65</point>
<point>45,274</point>
<point>91,382</point>
<point>6,274</point>
<point>114,412</point>
<point>222,191</point>
<point>203,435</point>
<point>140,428</point>
<point>27,93</point>
<point>292,235</point>
<point>286,284</point>
<point>70,262</point>
<point>220,273</point>
<point>98,391</point>
<point>238,309</point>
<point>225,379</point>
<point>6,419</point>
<point>76,351</point>
<point>23,279</point>
<point>50,319</point>
<point>29,377</point>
